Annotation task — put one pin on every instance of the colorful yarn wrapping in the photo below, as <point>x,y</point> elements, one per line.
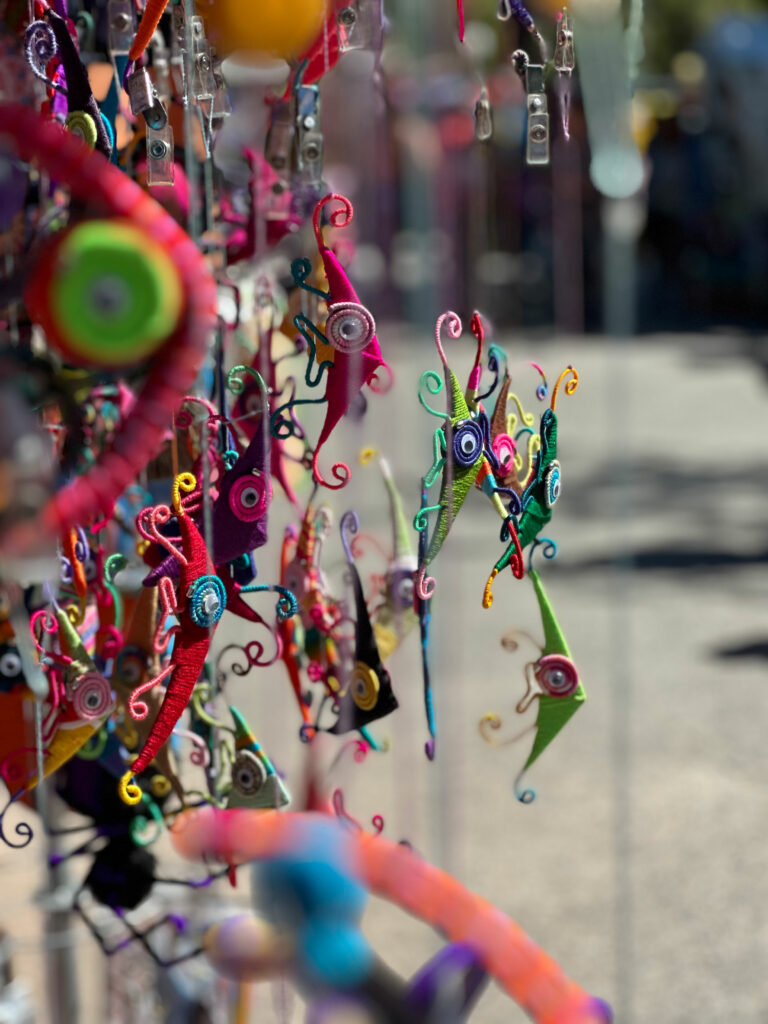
<point>172,372</point>
<point>458,479</point>
<point>350,370</point>
<point>191,646</point>
<point>531,977</point>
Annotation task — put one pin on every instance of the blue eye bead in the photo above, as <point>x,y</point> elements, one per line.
<point>207,601</point>
<point>467,443</point>
<point>552,483</point>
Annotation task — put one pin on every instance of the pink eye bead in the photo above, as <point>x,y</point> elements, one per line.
<point>557,675</point>
<point>249,497</point>
<point>92,698</point>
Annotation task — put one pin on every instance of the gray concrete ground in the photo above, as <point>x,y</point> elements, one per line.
<point>640,866</point>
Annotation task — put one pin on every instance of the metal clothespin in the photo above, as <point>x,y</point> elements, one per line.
<point>537,136</point>
<point>564,60</point>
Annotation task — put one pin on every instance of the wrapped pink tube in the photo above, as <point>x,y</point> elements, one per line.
<point>531,977</point>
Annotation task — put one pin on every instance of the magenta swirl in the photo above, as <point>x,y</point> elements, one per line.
<point>250,496</point>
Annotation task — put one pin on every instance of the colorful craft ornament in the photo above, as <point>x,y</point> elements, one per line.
<point>132,667</point>
<point>248,413</point>
<point>78,703</point>
<point>199,606</point>
<point>239,512</point>
<point>552,679</point>
<point>542,489</point>
<point>318,612</point>
<point>130,332</point>
<point>289,628</point>
<point>255,783</point>
<point>462,450</point>
<point>395,617</point>
<point>460,436</point>
<point>366,695</point>
<point>348,350</point>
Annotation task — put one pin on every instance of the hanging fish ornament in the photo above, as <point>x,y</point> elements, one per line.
<point>346,350</point>
<point>540,494</point>
<point>395,617</point>
<point>255,783</point>
<point>239,512</point>
<point>457,450</point>
<point>462,451</point>
<point>135,663</point>
<point>199,606</point>
<point>367,695</point>
<point>553,680</point>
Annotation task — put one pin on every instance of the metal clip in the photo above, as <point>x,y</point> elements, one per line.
<point>483,118</point>
<point>278,147</point>
<point>309,138</point>
<point>141,92</point>
<point>160,66</point>
<point>204,84</point>
<point>360,25</point>
<point>222,107</point>
<point>156,116</point>
<point>160,165</point>
<point>537,146</point>
<point>121,21</point>
<point>564,59</point>
<point>178,52</point>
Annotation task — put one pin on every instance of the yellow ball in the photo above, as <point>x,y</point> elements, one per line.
<point>275,27</point>
<point>245,948</point>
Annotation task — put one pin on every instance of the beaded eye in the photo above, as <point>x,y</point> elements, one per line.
<point>160,786</point>
<point>295,581</point>
<point>130,666</point>
<point>207,601</point>
<point>92,698</point>
<point>250,496</point>
<point>349,326</point>
<point>552,483</point>
<point>248,773</point>
<point>467,442</point>
<point>83,126</point>
<point>557,675</point>
<point>105,293</point>
<point>401,588</point>
<point>10,664</point>
<point>364,687</point>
